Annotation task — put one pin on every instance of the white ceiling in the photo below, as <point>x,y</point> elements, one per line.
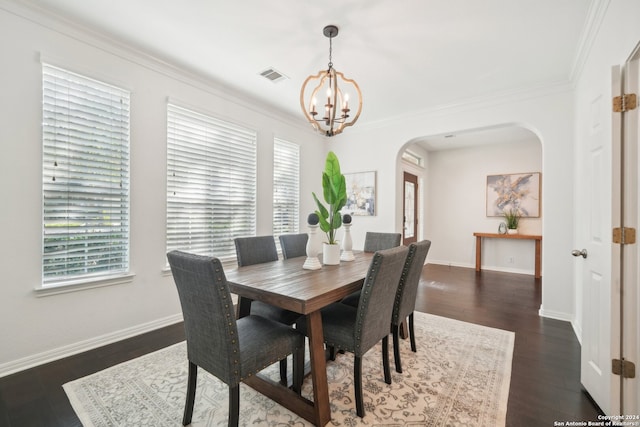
<point>476,137</point>
<point>407,56</point>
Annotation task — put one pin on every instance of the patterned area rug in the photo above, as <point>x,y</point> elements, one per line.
<point>459,377</point>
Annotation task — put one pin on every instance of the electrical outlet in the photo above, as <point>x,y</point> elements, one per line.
<point>510,260</point>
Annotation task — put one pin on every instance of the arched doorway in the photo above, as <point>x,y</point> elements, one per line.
<point>452,172</point>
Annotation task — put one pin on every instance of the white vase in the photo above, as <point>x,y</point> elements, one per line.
<point>330,254</point>
<point>512,231</point>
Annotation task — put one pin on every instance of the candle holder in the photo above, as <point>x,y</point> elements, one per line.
<point>347,243</point>
<point>312,262</point>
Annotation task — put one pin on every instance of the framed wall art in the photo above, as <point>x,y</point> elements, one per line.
<point>361,194</point>
<point>519,191</point>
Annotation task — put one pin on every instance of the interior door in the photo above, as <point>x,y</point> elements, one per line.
<point>593,234</point>
<point>410,210</point>
<point>611,321</point>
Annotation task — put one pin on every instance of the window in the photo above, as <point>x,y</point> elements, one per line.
<point>412,157</point>
<point>286,187</point>
<point>211,183</point>
<point>85,178</point>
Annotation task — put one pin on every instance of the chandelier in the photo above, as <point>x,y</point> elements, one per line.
<point>333,88</point>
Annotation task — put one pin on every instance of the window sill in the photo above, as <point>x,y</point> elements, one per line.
<point>81,285</point>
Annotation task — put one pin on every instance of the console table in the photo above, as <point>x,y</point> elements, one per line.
<point>537,239</point>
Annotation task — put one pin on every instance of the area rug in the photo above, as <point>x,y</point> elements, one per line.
<point>459,376</point>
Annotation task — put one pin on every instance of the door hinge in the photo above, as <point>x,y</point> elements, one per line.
<point>623,368</point>
<point>624,102</point>
<point>624,235</point>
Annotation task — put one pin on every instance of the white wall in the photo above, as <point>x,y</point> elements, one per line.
<point>36,329</point>
<point>547,113</point>
<point>456,181</point>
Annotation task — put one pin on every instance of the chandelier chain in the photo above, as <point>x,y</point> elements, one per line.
<point>330,52</point>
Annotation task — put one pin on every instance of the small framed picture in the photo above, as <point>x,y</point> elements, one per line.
<point>361,194</point>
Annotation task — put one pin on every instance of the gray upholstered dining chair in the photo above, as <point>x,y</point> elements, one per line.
<point>357,330</point>
<point>405,301</point>
<point>374,241</point>
<point>293,245</point>
<point>257,250</point>
<point>229,349</point>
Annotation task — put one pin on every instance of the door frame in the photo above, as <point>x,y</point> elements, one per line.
<point>414,179</point>
<point>626,257</point>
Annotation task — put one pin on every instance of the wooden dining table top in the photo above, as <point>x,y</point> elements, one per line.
<point>284,283</point>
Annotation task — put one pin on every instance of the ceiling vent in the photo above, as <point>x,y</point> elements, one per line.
<point>273,75</point>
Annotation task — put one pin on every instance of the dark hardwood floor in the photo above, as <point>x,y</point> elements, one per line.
<point>545,375</point>
<point>545,380</point>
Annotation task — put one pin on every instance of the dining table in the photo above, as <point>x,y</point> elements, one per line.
<point>286,284</point>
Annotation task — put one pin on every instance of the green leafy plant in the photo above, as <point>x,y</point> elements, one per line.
<point>512,217</point>
<point>335,195</point>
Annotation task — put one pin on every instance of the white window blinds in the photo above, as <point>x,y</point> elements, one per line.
<point>211,183</point>
<point>286,187</point>
<point>85,177</point>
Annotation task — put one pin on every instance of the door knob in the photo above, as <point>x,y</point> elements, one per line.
<point>582,253</point>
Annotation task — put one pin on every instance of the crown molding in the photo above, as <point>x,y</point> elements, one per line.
<point>595,17</point>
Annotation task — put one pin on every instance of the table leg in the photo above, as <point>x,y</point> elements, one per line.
<point>404,331</point>
<point>318,368</point>
<point>538,265</point>
<point>478,253</point>
<point>244,307</point>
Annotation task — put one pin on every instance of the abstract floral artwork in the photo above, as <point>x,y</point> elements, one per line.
<point>361,194</point>
<point>520,191</point>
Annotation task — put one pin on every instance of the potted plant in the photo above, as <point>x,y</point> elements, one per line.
<point>334,190</point>
<point>512,218</point>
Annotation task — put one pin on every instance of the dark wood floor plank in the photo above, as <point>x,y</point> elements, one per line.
<point>545,382</point>
<point>4,412</point>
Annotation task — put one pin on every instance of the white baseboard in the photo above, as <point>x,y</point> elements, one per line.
<point>555,315</point>
<point>578,331</point>
<point>509,270</point>
<point>484,267</point>
<point>82,346</point>
<point>450,264</point>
